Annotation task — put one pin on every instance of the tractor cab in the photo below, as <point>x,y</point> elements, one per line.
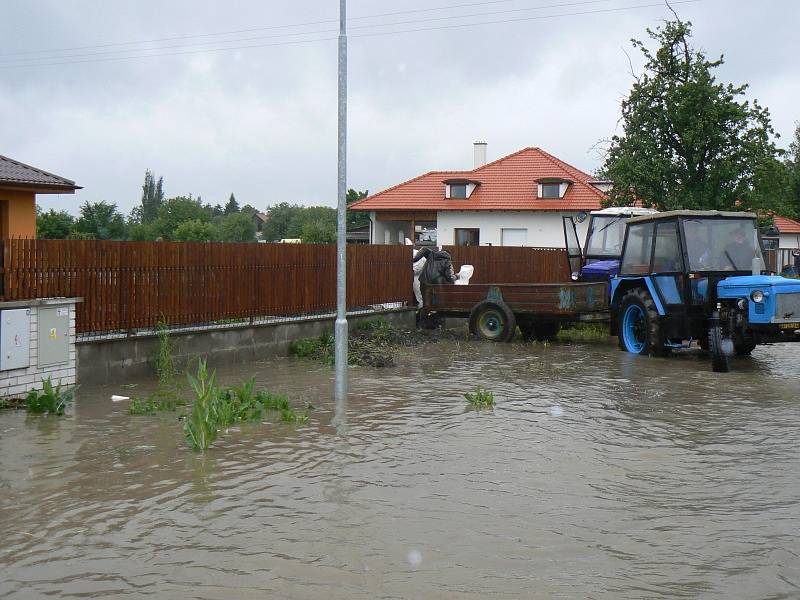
<point>698,275</point>
<point>598,258</point>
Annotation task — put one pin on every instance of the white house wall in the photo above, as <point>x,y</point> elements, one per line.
<point>545,229</point>
<point>789,240</point>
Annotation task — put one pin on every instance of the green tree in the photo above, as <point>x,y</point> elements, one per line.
<point>356,218</point>
<point>689,141</point>
<point>318,231</point>
<point>195,231</point>
<point>792,165</point>
<point>175,211</point>
<point>101,221</point>
<point>281,217</point>
<point>232,206</point>
<point>152,197</point>
<point>53,224</point>
<point>237,227</point>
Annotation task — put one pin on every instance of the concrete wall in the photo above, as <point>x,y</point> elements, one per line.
<point>114,361</point>
<point>16,383</point>
<point>545,229</point>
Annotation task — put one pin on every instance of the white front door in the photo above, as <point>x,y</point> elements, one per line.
<point>514,237</point>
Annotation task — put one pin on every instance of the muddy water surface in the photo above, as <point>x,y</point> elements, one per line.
<point>597,475</point>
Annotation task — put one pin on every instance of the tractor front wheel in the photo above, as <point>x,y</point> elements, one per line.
<point>639,324</point>
<point>719,346</point>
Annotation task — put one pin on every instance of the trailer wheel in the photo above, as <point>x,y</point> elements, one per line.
<point>719,346</point>
<point>639,325</point>
<point>493,321</point>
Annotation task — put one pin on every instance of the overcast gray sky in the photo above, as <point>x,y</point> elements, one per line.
<point>261,121</point>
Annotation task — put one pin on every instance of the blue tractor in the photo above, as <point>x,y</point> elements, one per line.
<point>699,276</point>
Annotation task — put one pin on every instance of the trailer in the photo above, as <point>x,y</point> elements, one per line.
<point>495,310</point>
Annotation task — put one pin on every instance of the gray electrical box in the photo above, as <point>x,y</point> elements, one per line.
<point>15,338</point>
<point>53,335</point>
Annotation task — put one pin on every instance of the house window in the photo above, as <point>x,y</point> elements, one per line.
<point>514,237</point>
<point>468,237</point>
<point>458,190</point>
<point>551,190</point>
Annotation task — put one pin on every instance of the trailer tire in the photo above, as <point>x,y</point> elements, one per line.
<point>493,321</point>
<point>640,329</point>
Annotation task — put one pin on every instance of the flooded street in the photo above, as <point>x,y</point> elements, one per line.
<point>598,474</point>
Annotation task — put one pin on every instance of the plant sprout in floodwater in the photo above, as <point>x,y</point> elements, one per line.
<point>480,398</point>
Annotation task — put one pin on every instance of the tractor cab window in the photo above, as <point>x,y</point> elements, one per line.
<point>721,244</point>
<point>667,251</point>
<point>605,236</point>
<point>636,259</point>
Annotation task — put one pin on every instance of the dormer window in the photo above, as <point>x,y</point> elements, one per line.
<point>459,189</point>
<point>552,188</point>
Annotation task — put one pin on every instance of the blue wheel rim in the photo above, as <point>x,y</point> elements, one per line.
<point>634,328</point>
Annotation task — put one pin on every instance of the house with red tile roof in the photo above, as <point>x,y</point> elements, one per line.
<point>517,200</point>
<point>789,231</point>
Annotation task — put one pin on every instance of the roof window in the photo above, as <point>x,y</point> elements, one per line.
<point>459,189</point>
<point>552,188</point>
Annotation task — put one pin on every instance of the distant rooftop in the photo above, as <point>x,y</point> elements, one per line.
<point>14,174</point>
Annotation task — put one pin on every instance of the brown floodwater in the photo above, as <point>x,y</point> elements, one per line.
<point>597,475</point>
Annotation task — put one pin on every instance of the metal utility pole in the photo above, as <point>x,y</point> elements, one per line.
<point>340,329</point>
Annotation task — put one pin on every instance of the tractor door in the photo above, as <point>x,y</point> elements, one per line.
<point>573,246</point>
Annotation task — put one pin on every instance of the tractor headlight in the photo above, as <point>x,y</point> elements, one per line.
<point>757,296</point>
<point>741,303</point>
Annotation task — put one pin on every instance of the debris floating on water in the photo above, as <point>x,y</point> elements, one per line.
<point>556,411</point>
<point>116,398</point>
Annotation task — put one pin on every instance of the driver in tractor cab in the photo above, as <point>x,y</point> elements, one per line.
<point>738,253</point>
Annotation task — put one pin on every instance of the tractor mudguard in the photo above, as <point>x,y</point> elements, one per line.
<point>626,283</point>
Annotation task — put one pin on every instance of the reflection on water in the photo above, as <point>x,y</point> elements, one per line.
<point>598,474</point>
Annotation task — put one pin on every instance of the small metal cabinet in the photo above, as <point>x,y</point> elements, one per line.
<point>15,338</point>
<point>53,335</point>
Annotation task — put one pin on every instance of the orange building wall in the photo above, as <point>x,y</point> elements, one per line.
<point>17,214</point>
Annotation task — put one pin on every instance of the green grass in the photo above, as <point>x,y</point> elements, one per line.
<point>585,332</point>
<point>480,398</point>
<point>50,400</point>
<point>159,401</point>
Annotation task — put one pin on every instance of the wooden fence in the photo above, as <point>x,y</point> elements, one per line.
<point>130,285</point>
<point>133,285</point>
<point>498,264</point>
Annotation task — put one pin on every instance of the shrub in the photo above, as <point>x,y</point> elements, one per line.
<point>50,400</point>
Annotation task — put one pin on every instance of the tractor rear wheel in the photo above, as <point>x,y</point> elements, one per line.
<point>639,324</point>
<point>493,321</point>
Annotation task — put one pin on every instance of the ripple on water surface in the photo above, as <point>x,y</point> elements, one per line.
<point>597,474</point>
